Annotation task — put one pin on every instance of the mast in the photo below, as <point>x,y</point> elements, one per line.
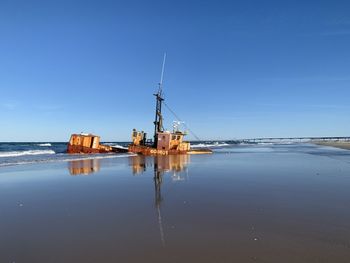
<point>158,121</point>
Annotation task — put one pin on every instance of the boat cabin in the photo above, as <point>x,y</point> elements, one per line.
<point>85,140</point>
<point>172,141</point>
<point>86,143</point>
<point>166,142</point>
<point>138,138</point>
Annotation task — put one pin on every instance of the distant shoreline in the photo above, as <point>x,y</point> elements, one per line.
<point>338,144</point>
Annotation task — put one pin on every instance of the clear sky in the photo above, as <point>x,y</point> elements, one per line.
<point>235,69</point>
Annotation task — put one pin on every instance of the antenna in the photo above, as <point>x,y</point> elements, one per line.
<point>176,125</point>
<point>161,75</point>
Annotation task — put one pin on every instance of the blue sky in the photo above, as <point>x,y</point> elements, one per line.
<point>235,69</point>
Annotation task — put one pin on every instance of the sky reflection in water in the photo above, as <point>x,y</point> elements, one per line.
<point>246,204</point>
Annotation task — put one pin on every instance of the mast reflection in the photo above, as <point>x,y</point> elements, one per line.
<point>174,164</point>
<point>161,164</point>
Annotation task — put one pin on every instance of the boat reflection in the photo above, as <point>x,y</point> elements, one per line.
<point>175,165</point>
<point>83,167</point>
<point>161,164</point>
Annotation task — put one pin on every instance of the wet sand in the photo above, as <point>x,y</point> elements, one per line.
<point>337,144</point>
<point>244,204</point>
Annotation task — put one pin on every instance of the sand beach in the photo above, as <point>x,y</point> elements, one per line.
<point>337,144</point>
<point>267,203</point>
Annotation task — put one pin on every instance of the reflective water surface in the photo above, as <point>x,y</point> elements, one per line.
<point>271,203</point>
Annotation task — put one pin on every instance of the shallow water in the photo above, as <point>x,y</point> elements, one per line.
<point>270,203</point>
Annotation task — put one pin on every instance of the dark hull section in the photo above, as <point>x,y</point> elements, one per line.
<point>119,150</point>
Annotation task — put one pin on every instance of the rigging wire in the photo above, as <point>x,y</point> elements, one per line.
<point>177,117</point>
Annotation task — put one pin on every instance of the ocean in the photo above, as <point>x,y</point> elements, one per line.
<point>20,153</point>
<point>17,153</point>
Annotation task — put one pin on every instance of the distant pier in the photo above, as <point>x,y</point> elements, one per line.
<point>294,139</point>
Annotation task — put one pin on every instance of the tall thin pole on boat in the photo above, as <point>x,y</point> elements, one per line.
<point>162,74</point>
<point>158,121</point>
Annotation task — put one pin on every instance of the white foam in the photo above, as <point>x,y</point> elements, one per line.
<point>209,145</point>
<point>44,144</point>
<point>119,146</point>
<point>268,143</point>
<point>115,145</point>
<point>21,153</point>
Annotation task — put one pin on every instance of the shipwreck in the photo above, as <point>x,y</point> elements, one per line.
<point>164,142</point>
<point>90,144</point>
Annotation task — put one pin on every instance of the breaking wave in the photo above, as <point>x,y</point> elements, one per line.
<point>209,145</point>
<point>44,144</point>
<point>116,145</point>
<point>120,147</point>
<point>29,152</point>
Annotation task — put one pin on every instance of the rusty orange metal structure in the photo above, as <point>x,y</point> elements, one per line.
<point>87,143</point>
<point>167,143</point>
<point>164,142</point>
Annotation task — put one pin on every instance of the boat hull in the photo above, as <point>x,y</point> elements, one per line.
<point>146,150</point>
<point>72,149</point>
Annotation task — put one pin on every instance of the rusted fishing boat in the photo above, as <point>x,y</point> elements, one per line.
<point>164,142</point>
<point>89,143</point>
